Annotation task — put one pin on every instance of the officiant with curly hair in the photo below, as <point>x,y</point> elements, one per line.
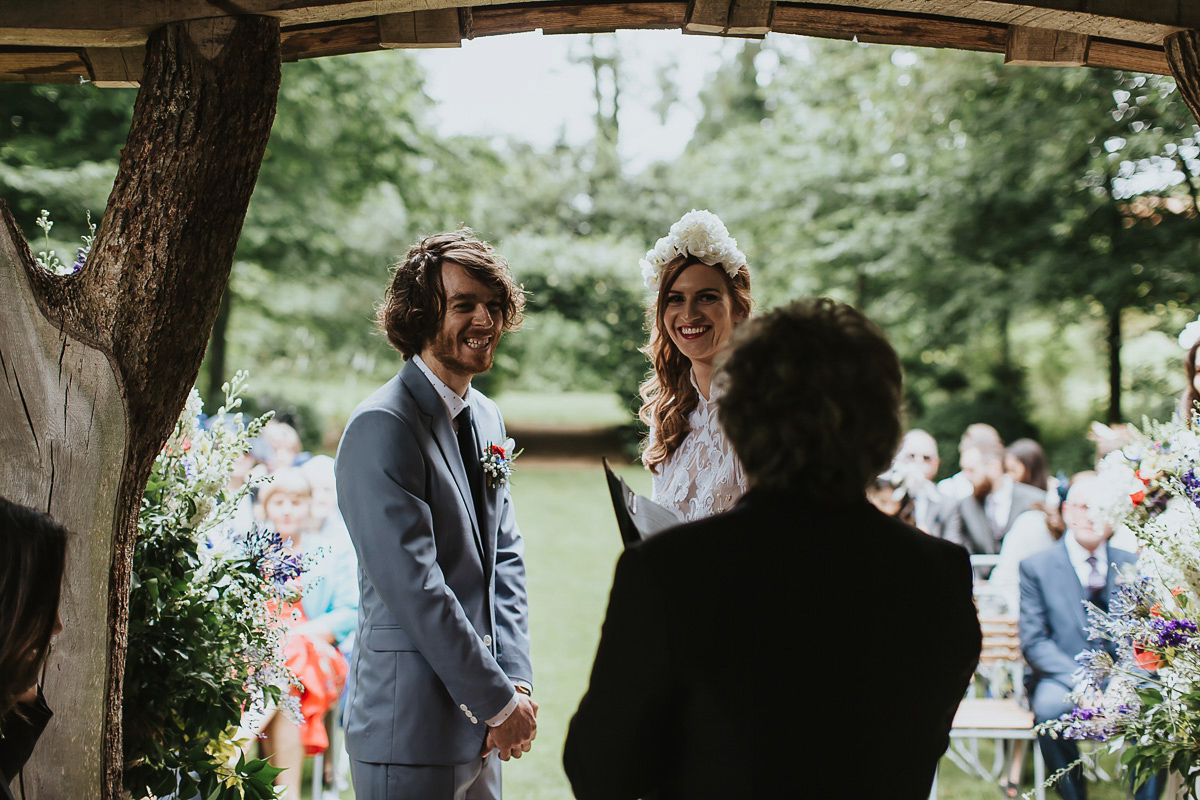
<point>702,288</point>
<point>801,644</point>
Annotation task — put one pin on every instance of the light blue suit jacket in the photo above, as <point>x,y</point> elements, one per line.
<point>1053,618</point>
<point>442,621</point>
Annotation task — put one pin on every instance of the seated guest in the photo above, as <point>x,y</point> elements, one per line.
<point>958,486</point>
<point>1025,462</point>
<point>33,551</point>
<point>918,461</point>
<point>326,612</point>
<point>980,521</point>
<point>1055,584</point>
<point>890,494</point>
<point>723,669</point>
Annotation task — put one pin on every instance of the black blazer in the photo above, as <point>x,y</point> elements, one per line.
<point>787,648</point>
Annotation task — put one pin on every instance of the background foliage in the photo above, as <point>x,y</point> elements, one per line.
<point>1026,236</point>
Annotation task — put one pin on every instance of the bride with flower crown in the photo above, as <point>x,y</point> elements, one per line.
<point>702,288</point>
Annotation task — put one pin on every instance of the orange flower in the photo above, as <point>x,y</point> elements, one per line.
<point>1146,659</point>
<point>1137,497</point>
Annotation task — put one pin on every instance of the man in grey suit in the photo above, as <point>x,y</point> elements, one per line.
<point>441,680</point>
<point>980,521</point>
<point>1055,584</point>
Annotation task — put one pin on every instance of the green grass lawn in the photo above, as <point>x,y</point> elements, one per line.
<point>572,546</point>
<point>598,409</point>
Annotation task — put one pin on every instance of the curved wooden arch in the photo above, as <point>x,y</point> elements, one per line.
<point>104,40</point>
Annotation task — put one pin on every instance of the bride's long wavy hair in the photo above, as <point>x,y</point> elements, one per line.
<point>668,396</point>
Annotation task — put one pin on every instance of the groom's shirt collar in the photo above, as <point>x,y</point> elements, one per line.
<point>454,404</point>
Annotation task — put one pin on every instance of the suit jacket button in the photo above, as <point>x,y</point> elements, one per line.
<point>487,640</point>
<point>462,707</point>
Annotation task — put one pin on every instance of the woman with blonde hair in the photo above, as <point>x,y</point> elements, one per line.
<point>703,292</point>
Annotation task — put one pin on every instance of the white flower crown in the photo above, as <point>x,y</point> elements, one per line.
<point>699,234</point>
<point>1190,334</point>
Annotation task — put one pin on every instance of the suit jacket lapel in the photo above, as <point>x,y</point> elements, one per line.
<point>443,435</point>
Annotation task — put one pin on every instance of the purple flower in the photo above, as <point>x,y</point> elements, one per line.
<point>263,547</point>
<point>1174,632</point>
<point>1191,486</point>
<point>80,259</point>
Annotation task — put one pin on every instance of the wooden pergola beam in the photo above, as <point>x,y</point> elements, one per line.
<point>112,23</point>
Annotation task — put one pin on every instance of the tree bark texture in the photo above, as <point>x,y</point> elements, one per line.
<point>1183,56</point>
<point>98,365</point>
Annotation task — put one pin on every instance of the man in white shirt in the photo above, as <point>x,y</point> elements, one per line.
<point>1055,584</point>
<point>441,680</point>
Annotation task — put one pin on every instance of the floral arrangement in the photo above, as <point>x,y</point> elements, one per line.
<point>497,460</point>
<point>1145,702</point>
<point>204,642</point>
<point>700,234</point>
<point>50,260</point>
<point>1190,334</point>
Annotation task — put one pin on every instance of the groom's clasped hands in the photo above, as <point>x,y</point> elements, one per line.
<point>515,735</point>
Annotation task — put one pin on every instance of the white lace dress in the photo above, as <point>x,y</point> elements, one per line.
<point>703,477</point>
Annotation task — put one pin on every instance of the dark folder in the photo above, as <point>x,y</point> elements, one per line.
<point>637,517</point>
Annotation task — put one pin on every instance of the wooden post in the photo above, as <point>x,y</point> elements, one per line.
<point>1183,56</point>
<point>97,366</point>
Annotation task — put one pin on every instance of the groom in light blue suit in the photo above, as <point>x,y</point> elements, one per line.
<point>441,682</point>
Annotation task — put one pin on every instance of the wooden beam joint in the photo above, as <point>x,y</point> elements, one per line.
<point>116,67</point>
<point>1041,47</point>
<point>439,27</point>
<point>745,18</point>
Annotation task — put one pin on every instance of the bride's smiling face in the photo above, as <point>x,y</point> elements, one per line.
<point>698,313</point>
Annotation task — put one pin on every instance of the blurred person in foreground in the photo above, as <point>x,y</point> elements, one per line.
<point>812,407</point>
<point>33,551</point>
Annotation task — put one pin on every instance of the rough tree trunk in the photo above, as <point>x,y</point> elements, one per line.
<point>98,365</point>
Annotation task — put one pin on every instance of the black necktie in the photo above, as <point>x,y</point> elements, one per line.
<point>468,448</point>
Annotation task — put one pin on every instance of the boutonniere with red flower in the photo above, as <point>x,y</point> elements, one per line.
<point>497,462</point>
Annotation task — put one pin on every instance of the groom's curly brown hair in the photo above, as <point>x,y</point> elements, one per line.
<point>415,301</point>
<point>812,399</point>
